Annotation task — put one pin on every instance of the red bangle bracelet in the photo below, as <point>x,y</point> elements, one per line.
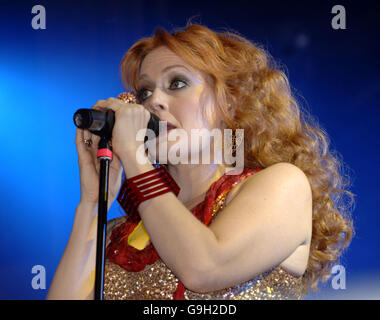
<point>143,187</point>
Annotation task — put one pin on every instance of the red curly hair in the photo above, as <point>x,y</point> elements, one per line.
<point>245,76</point>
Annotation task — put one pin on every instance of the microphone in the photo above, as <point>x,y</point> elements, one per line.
<point>101,123</point>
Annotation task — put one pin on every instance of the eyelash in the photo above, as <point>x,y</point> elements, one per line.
<point>141,91</point>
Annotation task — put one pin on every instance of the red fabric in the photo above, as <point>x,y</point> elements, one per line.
<point>132,259</point>
<point>179,292</point>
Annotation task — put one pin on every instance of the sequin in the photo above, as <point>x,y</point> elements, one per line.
<point>157,282</point>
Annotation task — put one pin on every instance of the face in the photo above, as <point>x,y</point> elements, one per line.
<point>175,92</point>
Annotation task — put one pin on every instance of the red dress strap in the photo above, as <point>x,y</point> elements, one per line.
<point>219,189</point>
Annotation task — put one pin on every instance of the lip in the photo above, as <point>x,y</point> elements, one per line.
<point>169,125</point>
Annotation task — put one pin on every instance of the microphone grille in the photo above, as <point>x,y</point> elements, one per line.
<point>83,118</point>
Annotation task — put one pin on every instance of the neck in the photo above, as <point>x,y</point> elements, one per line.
<point>195,180</point>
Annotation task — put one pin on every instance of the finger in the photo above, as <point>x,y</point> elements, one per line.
<point>84,155</point>
<point>94,141</point>
<point>111,103</point>
<point>87,138</point>
<point>100,105</point>
<point>93,149</point>
<point>88,135</point>
<point>79,140</point>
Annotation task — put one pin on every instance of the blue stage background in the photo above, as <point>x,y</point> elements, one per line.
<point>46,75</point>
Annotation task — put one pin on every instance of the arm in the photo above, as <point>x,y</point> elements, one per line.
<point>263,225</point>
<point>267,221</point>
<point>182,241</point>
<point>75,275</point>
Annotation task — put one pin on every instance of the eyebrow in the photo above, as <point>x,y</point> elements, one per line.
<point>165,70</point>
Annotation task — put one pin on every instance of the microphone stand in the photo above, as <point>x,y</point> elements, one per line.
<point>105,157</point>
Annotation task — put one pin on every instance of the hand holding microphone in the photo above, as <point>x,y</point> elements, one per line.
<point>114,119</point>
<point>102,122</point>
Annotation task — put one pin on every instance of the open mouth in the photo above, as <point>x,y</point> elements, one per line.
<point>169,126</point>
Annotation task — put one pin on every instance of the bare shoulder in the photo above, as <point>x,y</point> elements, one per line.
<point>282,188</point>
<point>282,175</point>
<point>286,173</point>
<point>283,169</point>
<point>285,181</point>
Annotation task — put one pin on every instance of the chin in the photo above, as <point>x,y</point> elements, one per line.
<point>180,150</point>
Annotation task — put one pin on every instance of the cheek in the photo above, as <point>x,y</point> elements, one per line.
<point>190,115</point>
<point>189,110</point>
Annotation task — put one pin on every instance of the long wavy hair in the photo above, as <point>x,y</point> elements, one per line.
<point>277,128</point>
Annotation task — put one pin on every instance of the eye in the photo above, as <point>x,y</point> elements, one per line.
<point>175,84</point>
<point>141,95</point>
<point>177,81</point>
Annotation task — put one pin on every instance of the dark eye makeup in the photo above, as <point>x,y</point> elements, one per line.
<point>176,79</point>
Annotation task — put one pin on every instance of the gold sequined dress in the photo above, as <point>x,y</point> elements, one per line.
<point>157,282</point>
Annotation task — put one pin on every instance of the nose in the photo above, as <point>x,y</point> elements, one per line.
<point>158,101</point>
